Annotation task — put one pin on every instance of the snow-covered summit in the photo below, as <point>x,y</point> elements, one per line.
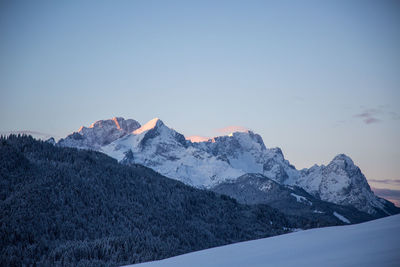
<point>208,162</point>
<point>343,161</point>
<point>157,146</point>
<point>100,133</point>
<point>342,182</point>
<point>118,123</point>
<point>154,123</point>
<point>247,152</point>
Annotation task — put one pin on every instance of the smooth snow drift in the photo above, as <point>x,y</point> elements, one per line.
<point>374,243</point>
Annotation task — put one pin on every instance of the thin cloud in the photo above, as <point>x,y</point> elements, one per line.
<point>374,115</point>
<point>389,194</point>
<point>371,120</point>
<point>369,116</point>
<point>385,181</point>
<point>232,129</point>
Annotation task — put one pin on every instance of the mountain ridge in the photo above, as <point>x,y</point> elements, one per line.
<point>74,207</point>
<point>205,164</point>
<point>100,133</point>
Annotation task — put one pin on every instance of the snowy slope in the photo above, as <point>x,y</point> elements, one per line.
<point>219,159</point>
<point>201,164</point>
<point>163,149</point>
<point>373,243</point>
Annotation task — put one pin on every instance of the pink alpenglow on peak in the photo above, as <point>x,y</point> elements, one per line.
<point>232,129</point>
<point>116,123</point>
<point>148,126</point>
<point>100,133</point>
<point>197,139</point>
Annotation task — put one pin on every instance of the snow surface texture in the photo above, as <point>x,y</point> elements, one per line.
<point>373,243</point>
<point>205,164</point>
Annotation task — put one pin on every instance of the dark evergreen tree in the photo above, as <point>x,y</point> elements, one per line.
<point>69,207</point>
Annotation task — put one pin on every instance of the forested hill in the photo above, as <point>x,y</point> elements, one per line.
<point>63,206</point>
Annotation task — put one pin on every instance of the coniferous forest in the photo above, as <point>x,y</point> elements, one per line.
<point>70,207</point>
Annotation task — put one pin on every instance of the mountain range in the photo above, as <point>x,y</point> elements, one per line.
<point>231,161</point>
<point>70,204</point>
<point>62,206</point>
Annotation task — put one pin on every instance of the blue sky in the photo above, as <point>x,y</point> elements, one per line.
<point>316,78</point>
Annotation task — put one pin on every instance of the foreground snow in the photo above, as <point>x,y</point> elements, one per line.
<point>374,243</point>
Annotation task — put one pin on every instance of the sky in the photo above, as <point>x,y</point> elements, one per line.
<point>316,78</point>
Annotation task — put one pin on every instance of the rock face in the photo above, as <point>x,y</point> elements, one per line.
<point>166,151</point>
<point>246,151</point>
<point>206,164</point>
<point>343,183</point>
<point>100,133</point>
<point>254,188</point>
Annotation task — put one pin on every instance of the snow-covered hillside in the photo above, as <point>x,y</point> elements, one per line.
<point>374,243</point>
<point>220,159</point>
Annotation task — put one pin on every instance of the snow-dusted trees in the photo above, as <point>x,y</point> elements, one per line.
<point>69,207</point>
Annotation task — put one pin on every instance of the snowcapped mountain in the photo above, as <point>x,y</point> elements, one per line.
<point>225,158</point>
<point>246,151</point>
<point>166,151</point>
<point>254,188</point>
<point>100,133</point>
<point>342,182</point>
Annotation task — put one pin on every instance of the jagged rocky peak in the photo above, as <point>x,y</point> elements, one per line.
<point>156,128</point>
<point>277,153</point>
<point>342,168</point>
<point>100,133</point>
<point>152,124</point>
<point>245,138</point>
<point>342,182</point>
<point>343,161</point>
<point>118,123</point>
<point>234,143</point>
<point>156,133</point>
